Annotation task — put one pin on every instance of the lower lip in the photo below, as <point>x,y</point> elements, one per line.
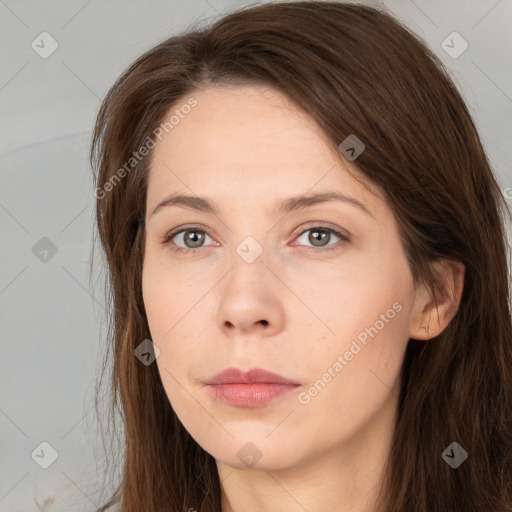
<point>249,395</point>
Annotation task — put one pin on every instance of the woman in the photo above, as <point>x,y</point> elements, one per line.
<point>307,265</point>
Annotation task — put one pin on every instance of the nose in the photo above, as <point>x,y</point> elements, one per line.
<point>250,300</point>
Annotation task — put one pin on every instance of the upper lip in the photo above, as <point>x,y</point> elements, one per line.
<point>236,376</point>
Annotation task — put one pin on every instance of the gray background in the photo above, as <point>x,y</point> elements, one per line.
<point>52,319</point>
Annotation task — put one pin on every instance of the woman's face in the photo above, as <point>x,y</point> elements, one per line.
<point>272,287</point>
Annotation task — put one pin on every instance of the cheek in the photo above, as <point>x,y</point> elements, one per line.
<point>358,306</point>
<point>353,379</point>
<point>165,321</point>
<point>176,338</point>
<point>166,301</point>
<point>177,313</point>
<point>355,368</point>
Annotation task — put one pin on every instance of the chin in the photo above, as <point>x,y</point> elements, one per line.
<point>257,453</point>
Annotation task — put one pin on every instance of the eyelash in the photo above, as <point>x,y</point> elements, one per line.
<point>168,238</point>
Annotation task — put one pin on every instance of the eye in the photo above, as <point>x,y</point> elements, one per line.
<point>195,237</point>
<point>322,235</point>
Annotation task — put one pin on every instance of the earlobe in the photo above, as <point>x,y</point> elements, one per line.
<point>431,315</point>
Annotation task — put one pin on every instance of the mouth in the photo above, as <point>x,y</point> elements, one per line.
<point>254,388</point>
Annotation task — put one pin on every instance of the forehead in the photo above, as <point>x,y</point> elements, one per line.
<point>252,140</point>
<point>241,123</point>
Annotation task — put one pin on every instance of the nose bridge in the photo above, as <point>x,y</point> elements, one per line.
<point>248,299</point>
<point>250,251</point>
<point>248,268</point>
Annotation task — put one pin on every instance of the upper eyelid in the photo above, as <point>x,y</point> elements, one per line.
<point>305,227</point>
<point>342,233</point>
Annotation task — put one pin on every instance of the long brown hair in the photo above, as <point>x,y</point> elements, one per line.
<point>355,70</point>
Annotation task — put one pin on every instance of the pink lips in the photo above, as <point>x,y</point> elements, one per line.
<point>249,389</point>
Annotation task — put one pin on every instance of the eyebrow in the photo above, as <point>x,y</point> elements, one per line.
<point>288,205</point>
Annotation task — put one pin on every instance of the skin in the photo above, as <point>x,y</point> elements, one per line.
<point>246,148</point>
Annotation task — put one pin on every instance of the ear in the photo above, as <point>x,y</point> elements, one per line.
<point>433,310</point>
